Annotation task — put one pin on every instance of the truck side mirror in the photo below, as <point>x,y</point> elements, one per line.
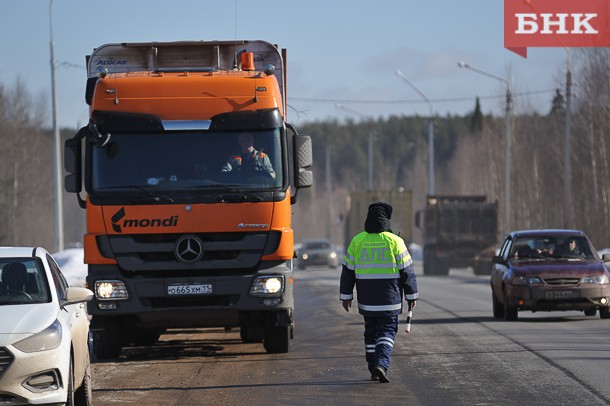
<point>72,165</point>
<point>303,158</point>
<point>418,218</point>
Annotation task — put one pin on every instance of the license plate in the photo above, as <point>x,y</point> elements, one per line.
<point>562,294</point>
<point>190,289</point>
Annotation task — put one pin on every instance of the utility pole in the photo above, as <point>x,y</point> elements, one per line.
<point>59,217</point>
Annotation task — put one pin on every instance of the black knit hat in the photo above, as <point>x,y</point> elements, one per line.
<point>378,218</point>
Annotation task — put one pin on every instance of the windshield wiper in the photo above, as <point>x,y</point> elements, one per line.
<point>237,198</point>
<point>156,196</point>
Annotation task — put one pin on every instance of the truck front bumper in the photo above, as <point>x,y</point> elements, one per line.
<point>189,301</point>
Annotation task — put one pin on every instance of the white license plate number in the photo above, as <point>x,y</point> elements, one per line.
<point>562,294</point>
<point>190,289</point>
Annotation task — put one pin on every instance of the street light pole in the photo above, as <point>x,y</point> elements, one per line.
<point>371,135</point>
<point>567,169</point>
<point>329,195</point>
<point>507,179</point>
<point>431,175</point>
<point>59,218</point>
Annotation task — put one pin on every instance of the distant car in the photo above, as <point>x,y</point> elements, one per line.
<point>536,271</point>
<point>482,264</point>
<point>44,332</point>
<point>317,252</point>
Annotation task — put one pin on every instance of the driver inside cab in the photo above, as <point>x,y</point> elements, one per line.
<point>249,160</point>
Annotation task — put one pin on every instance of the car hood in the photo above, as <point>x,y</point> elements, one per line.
<point>562,268</point>
<point>21,321</point>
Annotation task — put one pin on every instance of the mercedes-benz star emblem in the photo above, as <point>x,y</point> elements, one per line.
<point>189,248</point>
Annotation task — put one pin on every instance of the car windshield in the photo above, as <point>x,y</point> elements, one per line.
<point>185,161</point>
<point>558,247</point>
<point>23,281</point>
<point>317,245</point>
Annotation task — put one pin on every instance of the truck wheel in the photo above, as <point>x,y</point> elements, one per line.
<point>277,339</point>
<point>146,336</point>
<point>604,312</point>
<point>247,335</point>
<point>429,263</point>
<point>107,341</point>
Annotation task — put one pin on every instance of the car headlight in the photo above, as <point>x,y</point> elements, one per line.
<point>47,339</point>
<point>595,280</point>
<point>527,280</point>
<point>110,290</point>
<point>267,286</point>
<point>333,255</point>
<point>304,256</point>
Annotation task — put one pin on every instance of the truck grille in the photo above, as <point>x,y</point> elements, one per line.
<point>156,252</point>
<point>6,359</point>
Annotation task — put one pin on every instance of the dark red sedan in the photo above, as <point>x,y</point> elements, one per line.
<point>549,270</point>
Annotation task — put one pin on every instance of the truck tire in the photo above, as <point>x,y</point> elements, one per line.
<point>248,335</point>
<point>107,342</point>
<point>429,263</point>
<point>277,339</point>
<point>146,336</point>
<point>604,313</point>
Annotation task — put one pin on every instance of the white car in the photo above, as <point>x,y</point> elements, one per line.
<point>44,332</point>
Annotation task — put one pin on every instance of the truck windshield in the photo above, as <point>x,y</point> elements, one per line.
<point>189,160</point>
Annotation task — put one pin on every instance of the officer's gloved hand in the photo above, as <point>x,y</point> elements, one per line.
<point>412,303</point>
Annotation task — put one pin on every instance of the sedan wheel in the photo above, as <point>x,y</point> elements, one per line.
<point>498,308</point>
<point>511,313</point>
<point>604,313</point>
<point>591,311</point>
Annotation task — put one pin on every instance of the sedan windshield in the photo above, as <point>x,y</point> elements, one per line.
<point>23,281</point>
<point>542,247</point>
<point>181,161</point>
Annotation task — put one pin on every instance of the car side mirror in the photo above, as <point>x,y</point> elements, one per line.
<point>497,259</point>
<point>78,295</point>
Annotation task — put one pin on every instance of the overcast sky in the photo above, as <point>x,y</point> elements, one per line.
<point>339,51</point>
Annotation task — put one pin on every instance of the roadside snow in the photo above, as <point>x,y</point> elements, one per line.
<point>72,264</point>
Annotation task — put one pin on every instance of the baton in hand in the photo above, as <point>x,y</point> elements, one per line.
<point>409,316</point>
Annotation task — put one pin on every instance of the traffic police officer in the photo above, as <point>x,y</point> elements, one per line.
<point>378,263</point>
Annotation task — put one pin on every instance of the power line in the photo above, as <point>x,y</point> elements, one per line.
<point>418,101</point>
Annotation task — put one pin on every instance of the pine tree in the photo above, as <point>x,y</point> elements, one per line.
<point>476,120</point>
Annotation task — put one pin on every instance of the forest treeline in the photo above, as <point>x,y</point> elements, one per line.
<point>469,159</point>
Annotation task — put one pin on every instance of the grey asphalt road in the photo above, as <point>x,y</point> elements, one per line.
<point>456,354</point>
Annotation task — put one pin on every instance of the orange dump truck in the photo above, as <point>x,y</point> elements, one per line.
<point>186,227</point>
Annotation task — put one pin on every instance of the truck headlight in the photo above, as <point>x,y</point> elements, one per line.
<point>267,286</point>
<point>47,339</point>
<point>595,280</point>
<point>110,290</point>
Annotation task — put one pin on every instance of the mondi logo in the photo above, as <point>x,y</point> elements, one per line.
<point>119,222</point>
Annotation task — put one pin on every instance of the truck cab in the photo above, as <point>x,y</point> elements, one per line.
<point>177,236</point>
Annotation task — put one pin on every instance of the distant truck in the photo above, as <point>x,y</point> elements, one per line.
<point>176,237</point>
<point>456,229</point>
<point>402,214</point>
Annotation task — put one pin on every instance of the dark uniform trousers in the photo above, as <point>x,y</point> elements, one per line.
<point>379,334</point>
